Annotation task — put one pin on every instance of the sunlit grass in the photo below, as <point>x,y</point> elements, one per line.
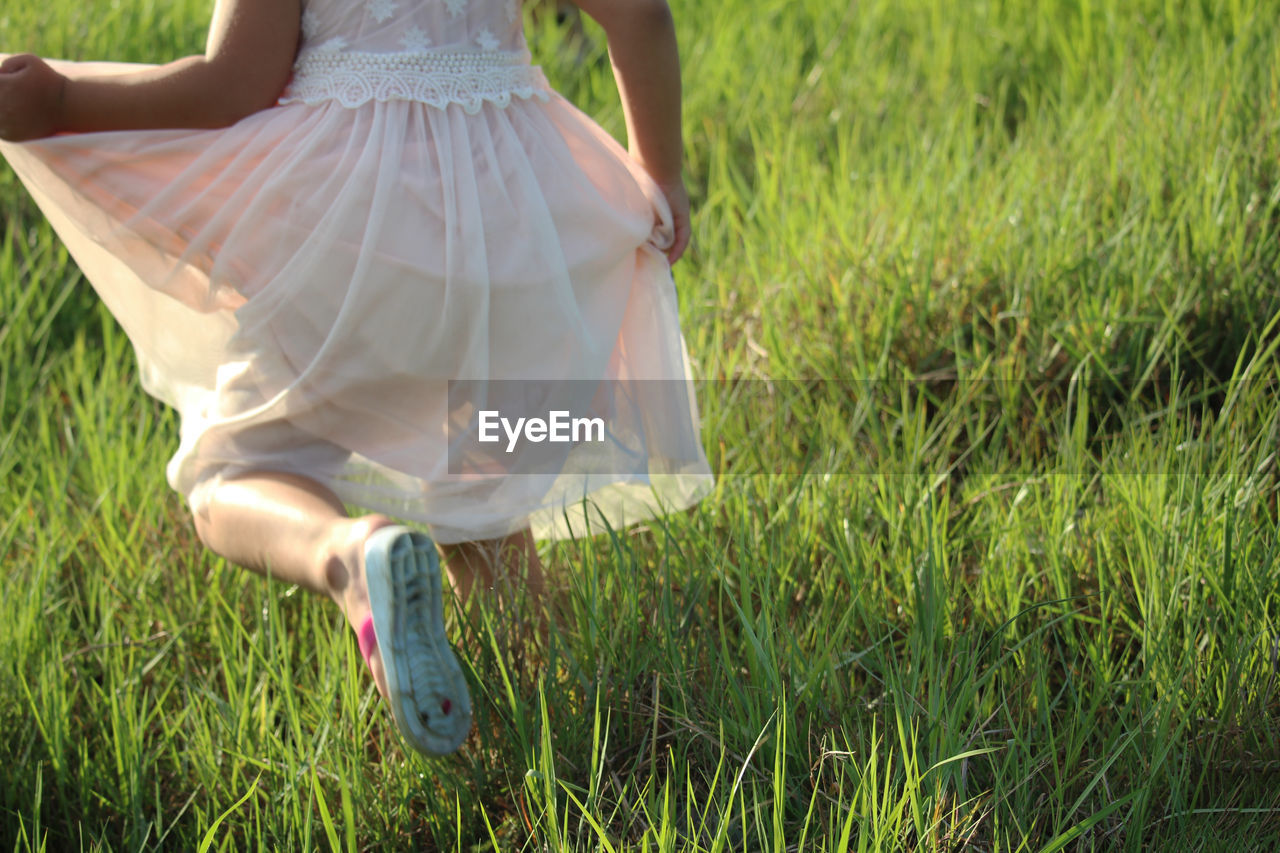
<point>997,570</point>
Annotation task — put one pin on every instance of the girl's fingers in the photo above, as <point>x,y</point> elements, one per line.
<point>678,200</point>
<point>680,243</point>
<point>15,62</point>
<point>29,98</point>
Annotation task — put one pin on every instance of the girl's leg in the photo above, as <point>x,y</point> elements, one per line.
<point>501,571</point>
<point>504,567</point>
<point>296,530</point>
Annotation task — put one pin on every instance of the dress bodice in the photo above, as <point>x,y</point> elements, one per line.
<point>438,52</point>
<point>412,25</point>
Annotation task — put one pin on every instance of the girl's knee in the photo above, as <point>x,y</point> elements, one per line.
<point>202,529</point>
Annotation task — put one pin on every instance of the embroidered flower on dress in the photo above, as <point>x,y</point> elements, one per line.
<point>513,10</point>
<point>381,9</point>
<point>415,39</point>
<point>310,23</point>
<point>487,40</point>
<point>455,6</point>
<point>334,44</point>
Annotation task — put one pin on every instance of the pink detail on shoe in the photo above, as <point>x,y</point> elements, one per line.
<point>445,706</point>
<point>367,638</point>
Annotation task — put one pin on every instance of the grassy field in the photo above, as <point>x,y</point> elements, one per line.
<point>995,568</point>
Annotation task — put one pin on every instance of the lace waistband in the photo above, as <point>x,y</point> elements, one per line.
<point>437,78</point>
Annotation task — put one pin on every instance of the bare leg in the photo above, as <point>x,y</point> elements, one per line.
<point>504,572</point>
<point>296,530</point>
<point>506,567</point>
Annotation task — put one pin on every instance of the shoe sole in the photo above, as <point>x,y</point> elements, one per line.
<point>435,717</point>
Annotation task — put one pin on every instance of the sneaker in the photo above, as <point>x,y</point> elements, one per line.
<point>425,687</point>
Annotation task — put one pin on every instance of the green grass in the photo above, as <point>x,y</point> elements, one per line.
<point>997,570</point>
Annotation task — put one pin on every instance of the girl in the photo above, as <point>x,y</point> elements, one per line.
<point>339,236</point>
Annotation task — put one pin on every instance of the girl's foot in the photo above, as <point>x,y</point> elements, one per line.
<point>390,590</point>
<point>425,687</point>
<point>345,577</point>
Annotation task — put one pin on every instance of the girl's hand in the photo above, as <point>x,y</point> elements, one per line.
<point>678,199</point>
<point>30,98</point>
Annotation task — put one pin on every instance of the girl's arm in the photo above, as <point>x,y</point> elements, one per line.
<point>247,61</point>
<point>646,64</point>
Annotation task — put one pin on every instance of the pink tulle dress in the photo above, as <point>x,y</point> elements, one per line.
<point>420,230</point>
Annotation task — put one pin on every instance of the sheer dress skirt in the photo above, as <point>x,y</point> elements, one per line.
<point>335,286</point>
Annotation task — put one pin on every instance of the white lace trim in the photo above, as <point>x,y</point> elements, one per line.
<point>438,78</point>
